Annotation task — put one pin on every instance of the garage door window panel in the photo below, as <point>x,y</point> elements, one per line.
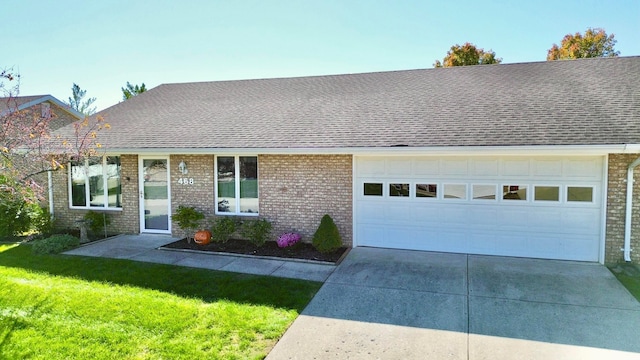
<point>399,190</point>
<point>580,194</point>
<point>372,189</point>
<point>514,192</point>
<point>427,191</point>
<point>455,191</point>
<point>546,193</point>
<point>483,192</point>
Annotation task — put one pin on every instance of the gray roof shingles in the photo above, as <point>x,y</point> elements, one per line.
<point>573,102</point>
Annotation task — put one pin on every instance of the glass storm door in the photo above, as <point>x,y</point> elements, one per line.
<point>154,195</point>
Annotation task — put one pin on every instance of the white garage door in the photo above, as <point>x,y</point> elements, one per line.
<point>543,207</point>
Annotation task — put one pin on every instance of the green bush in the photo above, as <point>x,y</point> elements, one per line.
<point>18,204</point>
<point>42,223</point>
<point>327,238</point>
<point>222,228</point>
<point>55,244</point>
<point>256,231</point>
<point>188,218</point>
<point>97,222</point>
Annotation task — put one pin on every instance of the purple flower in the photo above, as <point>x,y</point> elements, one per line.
<point>288,239</point>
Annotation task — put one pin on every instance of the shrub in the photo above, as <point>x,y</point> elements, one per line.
<point>97,222</point>
<point>42,223</point>
<point>222,228</point>
<point>257,231</point>
<point>327,238</point>
<point>55,244</point>
<point>18,204</point>
<point>288,239</point>
<point>188,218</point>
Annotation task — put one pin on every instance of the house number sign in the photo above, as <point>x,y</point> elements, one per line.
<point>185,181</point>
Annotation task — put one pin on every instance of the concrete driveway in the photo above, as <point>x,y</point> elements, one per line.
<point>395,304</point>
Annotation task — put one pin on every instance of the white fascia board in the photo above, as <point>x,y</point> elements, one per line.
<point>566,150</point>
<point>55,101</point>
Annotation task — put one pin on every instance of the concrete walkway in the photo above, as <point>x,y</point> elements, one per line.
<point>145,247</point>
<point>395,304</point>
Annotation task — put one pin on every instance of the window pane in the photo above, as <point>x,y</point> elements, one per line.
<point>427,190</point>
<point>398,189</point>
<point>96,183</point>
<point>248,184</point>
<point>113,181</point>
<point>373,189</point>
<point>579,193</point>
<point>455,191</point>
<point>226,184</point>
<point>547,193</point>
<point>514,192</point>
<point>78,179</point>
<point>484,192</point>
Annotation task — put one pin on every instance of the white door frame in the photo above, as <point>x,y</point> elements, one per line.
<point>141,193</point>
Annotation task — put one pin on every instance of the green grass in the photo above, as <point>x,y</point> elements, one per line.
<point>71,307</point>
<point>629,276</point>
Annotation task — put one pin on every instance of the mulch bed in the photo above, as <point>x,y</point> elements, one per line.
<point>304,251</point>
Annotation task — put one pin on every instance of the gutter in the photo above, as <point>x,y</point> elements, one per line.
<point>546,150</point>
<point>628,210</point>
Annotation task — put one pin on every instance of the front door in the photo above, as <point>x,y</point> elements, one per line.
<point>155,207</point>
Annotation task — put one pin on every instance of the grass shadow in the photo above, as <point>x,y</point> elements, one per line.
<point>207,285</point>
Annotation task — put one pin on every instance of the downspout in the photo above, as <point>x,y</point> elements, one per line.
<point>50,178</point>
<point>628,210</point>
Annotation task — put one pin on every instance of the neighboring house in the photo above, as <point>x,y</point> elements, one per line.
<point>48,107</point>
<point>45,106</point>
<point>525,160</point>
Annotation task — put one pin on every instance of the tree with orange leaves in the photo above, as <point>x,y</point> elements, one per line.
<point>467,54</point>
<point>594,43</point>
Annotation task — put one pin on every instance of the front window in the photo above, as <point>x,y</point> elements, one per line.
<point>237,185</point>
<point>95,183</point>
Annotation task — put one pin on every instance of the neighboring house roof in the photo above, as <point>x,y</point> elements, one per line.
<point>25,102</point>
<point>572,102</point>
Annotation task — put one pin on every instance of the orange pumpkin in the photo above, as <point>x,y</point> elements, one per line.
<point>202,237</point>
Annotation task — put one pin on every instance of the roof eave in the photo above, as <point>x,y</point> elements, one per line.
<point>55,101</point>
<point>398,151</point>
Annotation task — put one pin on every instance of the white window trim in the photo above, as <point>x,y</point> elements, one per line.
<point>236,159</point>
<point>87,190</point>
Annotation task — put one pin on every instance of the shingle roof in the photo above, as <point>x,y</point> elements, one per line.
<point>572,102</point>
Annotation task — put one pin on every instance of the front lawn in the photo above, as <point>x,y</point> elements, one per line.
<point>629,276</point>
<point>71,307</point>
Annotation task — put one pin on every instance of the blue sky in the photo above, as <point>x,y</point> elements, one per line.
<point>101,45</point>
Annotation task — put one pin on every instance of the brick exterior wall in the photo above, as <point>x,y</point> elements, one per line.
<point>200,194</point>
<point>61,117</point>
<point>126,221</point>
<point>297,190</point>
<point>616,208</point>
